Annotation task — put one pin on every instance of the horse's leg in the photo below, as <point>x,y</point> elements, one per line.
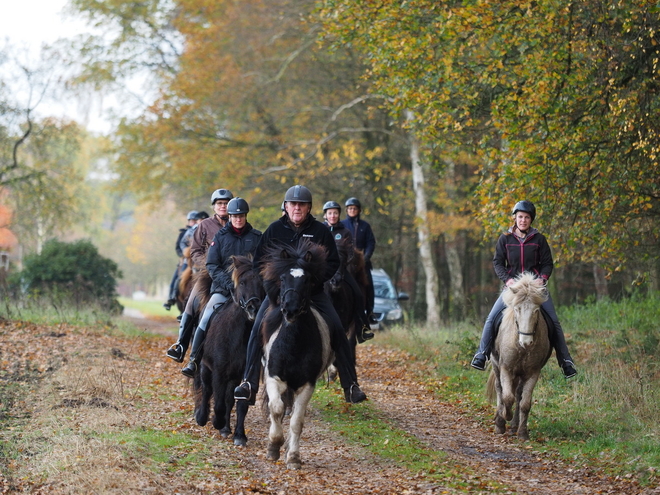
<point>296,424</point>
<point>500,422</point>
<point>240,438</point>
<point>525,405</point>
<point>275,388</point>
<point>505,408</point>
<point>220,392</point>
<point>206,385</point>
<point>515,422</point>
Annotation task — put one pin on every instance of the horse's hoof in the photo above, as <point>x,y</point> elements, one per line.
<point>225,432</point>
<point>273,453</point>
<point>293,461</point>
<point>202,419</point>
<point>240,441</point>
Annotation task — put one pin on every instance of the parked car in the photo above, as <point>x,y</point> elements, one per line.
<point>387,309</point>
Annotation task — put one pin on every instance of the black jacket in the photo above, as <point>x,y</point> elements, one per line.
<point>281,232</point>
<point>514,256</point>
<point>363,236</point>
<point>228,242</point>
<point>179,251</point>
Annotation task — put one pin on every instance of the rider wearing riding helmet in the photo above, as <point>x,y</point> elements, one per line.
<point>332,213</point>
<point>296,224</point>
<point>237,237</point>
<point>524,249</point>
<point>190,219</point>
<point>201,240</point>
<point>364,240</point>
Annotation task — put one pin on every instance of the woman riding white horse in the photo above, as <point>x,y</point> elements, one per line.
<point>524,249</point>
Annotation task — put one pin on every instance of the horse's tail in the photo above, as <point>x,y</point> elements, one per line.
<point>491,393</point>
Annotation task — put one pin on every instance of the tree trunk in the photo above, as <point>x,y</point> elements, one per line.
<point>452,238</point>
<point>425,251</point>
<point>600,281</point>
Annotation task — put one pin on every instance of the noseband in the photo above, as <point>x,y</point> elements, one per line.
<point>303,300</point>
<point>244,304</point>
<point>524,333</point>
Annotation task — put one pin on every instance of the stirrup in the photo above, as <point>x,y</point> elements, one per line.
<point>239,392</point>
<point>568,368</point>
<point>479,362</point>
<point>175,352</point>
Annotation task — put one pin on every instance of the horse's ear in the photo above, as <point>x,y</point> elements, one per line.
<point>284,254</point>
<point>308,256</point>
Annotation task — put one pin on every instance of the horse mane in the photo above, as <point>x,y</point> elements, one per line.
<point>359,268</point>
<point>203,280</point>
<point>280,258</point>
<point>524,288</point>
<point>239,266</point>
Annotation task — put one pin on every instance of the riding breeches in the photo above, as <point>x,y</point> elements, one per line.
<point>338,341</point>
<point>214,303</point>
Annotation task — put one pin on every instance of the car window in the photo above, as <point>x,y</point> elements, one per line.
<point>384,289</point>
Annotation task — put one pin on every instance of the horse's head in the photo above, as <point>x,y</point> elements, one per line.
<point>248,287</point>
<point>296,271</point>
<point>525,297</point>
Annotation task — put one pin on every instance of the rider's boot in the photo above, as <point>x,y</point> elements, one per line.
<point>195,354</point>
<point>353,394</point>
<point>480,358</point>
<point>178,350</point>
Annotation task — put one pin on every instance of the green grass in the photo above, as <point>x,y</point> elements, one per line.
<point>148,308</point>
<point>608,416</point>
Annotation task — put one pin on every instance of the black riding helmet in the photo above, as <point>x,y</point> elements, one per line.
<point>298,194</point>
<point>527,207</point>
<point>202,215</point>
<point>237,206</point>
<point>192,214</point>
<point>221,194</point>
<point>353,202</point>
<point>331,204</point>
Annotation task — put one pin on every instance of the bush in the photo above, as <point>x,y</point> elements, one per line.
<point>72,272</point>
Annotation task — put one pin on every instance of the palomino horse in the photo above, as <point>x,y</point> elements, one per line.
<point>224,352</point>
<point>521,350</point>
<point>296,341</point>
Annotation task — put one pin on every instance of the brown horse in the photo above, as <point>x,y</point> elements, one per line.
<point>521,349</point>
<point>185,282</point>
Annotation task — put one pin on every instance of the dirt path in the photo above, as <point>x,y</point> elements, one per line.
<point>84,428</point>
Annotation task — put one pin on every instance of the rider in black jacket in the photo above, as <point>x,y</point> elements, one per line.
<point>237,237</point>
<point>524,249</point>
<point>295,225</point>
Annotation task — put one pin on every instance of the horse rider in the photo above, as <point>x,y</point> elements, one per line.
<point>190,219</point>
<point>332,214</point>
<point>237,237</point>
<point>296,224</point>
<point>524,249</point>
<point>365,241</point>
<point>201,240</point>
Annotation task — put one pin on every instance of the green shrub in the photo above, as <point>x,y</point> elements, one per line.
<point>71,273</point>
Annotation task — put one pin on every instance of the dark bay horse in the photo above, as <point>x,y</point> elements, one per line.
<point>186,282</point>
<point>521,349</point>
<point>224,351</point>
<point>296,340</point>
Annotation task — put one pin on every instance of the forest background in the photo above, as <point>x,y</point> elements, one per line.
<point>438,116</point>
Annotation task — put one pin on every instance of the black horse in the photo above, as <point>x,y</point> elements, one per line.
<point>224,351</point>
<point>296,339</point>
<point>343,299</point>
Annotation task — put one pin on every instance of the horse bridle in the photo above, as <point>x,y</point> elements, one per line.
<point>303,299</point>
<point>524,333</point>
